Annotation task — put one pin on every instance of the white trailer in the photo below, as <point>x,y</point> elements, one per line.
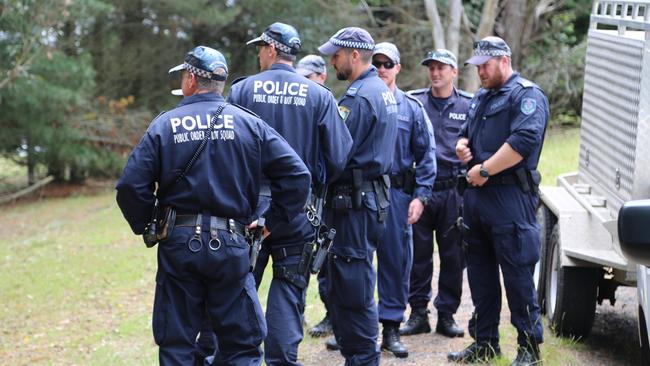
<point>582,261</point>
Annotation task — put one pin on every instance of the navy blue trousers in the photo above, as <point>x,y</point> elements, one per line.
<point>217,281</point>
<point>439,215</point>
<point>286,301</point>
<point>351,281</point>
<point>394,259</point>
<point>504,235</point>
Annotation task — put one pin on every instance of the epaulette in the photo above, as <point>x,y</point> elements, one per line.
<point>352,91</point>
<point>159,114</point>
<point>244,109</point>
<point>414,99</point>
<point>238,80</point>
<point>417,91</point>
<point>324,86</point>
<point>525,82</point>
<point>465,94</point>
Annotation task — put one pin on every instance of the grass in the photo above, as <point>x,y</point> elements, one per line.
<point>77,286</point>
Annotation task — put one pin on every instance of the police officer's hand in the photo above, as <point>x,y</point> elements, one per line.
<point>462,150</point>
<point>265,231</point>
<point>415,211</point>
<point>474,177</point>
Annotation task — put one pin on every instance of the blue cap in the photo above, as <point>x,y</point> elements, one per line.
<point>441,55</point>
<point>487,48</point>
<point>205,62</point>
<point>350,37</point>
<point>387,49</point>
<point>311,64</point>
<point>283,36</point>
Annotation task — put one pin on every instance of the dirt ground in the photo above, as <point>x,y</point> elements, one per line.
<point>613,340</point>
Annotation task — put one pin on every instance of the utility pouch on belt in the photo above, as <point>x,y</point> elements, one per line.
<point>382,192</point>
<point>536,179</point>
<point>341,201</point>
<point>409,181</point>
<point>166,220</point>
<point>522,177</point>
<point>149,235</point>
<point>357,180</point>
<point>461,184</point>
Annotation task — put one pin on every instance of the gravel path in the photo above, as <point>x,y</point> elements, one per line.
<point>613,340</point>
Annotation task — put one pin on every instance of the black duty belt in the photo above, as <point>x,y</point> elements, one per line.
<point>441,185</point>
<point>500,180</point>
<point>366,186</point>
<point>218,223</point>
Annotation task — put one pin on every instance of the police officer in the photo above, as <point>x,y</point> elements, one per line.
<point>357,202</point>
<point>306,115</point>
<point>412,176</point>
<point>501,142</point>
<point>206,196</point>
<point>447,108</point>
<point>313,67</point>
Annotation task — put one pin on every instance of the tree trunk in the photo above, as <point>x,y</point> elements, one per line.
<point>453,28</point>
<point>437,31</point>
<point>471,81</point>
<point>31,164</point>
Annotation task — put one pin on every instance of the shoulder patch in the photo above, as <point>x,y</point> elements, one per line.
<point>238,80</point>
<point>344,112</point>
<point>417,91</point>
<point>528,106</point>
<point>465,94</point>
<point>525,83</point>
<point>409,96</point>
<point>244,109</point>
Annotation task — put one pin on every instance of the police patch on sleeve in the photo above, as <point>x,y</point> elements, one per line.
<point>528,106</point>
<point>344,112</point>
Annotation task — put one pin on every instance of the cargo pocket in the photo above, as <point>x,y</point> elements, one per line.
<point>529,240</point>
<point>237,256</point>
<point>375,229</point>
<point>159,318</point>
<point>349,286</point>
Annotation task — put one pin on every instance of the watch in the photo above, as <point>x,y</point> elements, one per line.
<point>483,172</point>
<point>424,200</point>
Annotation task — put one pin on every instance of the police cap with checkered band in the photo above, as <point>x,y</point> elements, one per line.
<point>205,62</point>
<point>284,37</point>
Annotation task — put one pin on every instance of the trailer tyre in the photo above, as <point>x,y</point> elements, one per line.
<point>571,293</point>
<point>546,221</point>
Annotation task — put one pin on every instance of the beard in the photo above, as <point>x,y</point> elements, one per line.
<point>342,75</point>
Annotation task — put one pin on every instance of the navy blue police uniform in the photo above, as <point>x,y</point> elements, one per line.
<point>412,176</point>
<point>503,230</point>
<point>306,115</point>
<point>440,213</point>
<point>357,205</point>
<point>204,261</point>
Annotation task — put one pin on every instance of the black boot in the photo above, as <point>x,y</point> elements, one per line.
<point>477,352</point>
<point>390,340</point>
<point>527,356</point>
<point>447,326</point>
<point>332,345</point>
<point>322,329</point>
<point>418,323</point>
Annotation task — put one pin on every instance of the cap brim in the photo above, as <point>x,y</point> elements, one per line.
<point>427,61</point>
<point>328,48</point>
<point>387,53</point>
<point>177,92</point>
<point>177,68</point>
<point>304,72</point>
<point>255,40</point>
<point>478,60</point>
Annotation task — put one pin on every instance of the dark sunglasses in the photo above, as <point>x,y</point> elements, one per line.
<point>386,64</point>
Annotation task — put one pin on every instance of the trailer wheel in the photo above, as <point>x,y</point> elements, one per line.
<point>643,338</point>
<point>571,293</point>
<point>546,221</point>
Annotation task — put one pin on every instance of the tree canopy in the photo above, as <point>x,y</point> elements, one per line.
<point>81,79</point>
